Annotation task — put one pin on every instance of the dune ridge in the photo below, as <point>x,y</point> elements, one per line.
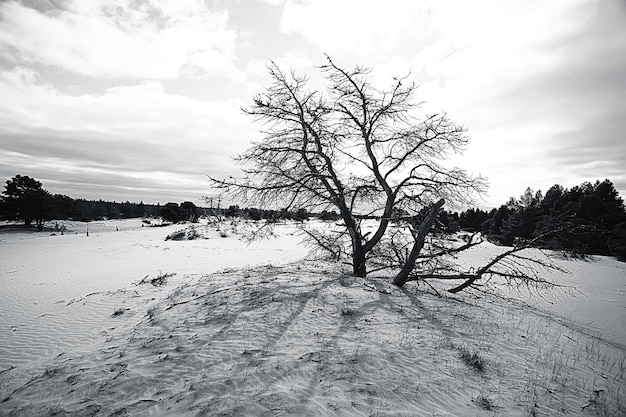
<point>305,339</point>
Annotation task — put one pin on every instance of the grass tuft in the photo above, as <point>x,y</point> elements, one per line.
<point>472,359</point>
<point>485,403</point>
<point>346,311</point>
<point>157,281</point>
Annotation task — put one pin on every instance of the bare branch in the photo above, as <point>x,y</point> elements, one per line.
<point>353,147</point>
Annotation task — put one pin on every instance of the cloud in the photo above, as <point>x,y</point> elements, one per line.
<point>153,39</point>
<point>65,176</point>
<point>144,92</point>
<point>135,134</point>
<point>274,3</point>
<point>540,85</point>
<point>563,124</point>
<point>540,88</point>
<point>365,26</point>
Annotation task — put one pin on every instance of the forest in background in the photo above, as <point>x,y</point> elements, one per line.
<point>586,219</point>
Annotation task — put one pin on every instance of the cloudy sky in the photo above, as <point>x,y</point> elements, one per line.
<point>139,99</point>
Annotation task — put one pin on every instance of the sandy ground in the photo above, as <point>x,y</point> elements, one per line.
<point>81,335</point>
<point>58,290</point>
<point>595,298</point>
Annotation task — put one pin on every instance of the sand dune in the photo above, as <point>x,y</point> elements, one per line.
<point>303,339</point>
<point>58,290</point>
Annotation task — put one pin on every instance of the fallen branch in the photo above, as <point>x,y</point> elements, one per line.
<point>510,265</point>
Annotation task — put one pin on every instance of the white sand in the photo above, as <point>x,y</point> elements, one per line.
<point>596,301</point>
<point>58,291</point>
<point>296,339</point>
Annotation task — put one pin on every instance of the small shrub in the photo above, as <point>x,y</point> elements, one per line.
<point>118,312</point>
<point>346,311</point>
<point>472,360</point>
<point>157,281</point>
<point>595,400</point>
<point>177,235</point>
<point>192,234</point>
<point>186,234</point>
<point>484,403</point>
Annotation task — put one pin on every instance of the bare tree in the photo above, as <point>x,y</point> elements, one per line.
<point>355,148</point>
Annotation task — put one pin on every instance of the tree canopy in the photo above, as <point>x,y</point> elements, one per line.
<point>589,218</point>
<point>25,199</point>
<point>357,149</point>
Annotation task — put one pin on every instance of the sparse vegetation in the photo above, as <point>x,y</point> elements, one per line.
<point>346,311</point>
<point>351,345</point>
<point>119,311</point>
<point>157,281</point>
<point>485,403</point>
<point>472,359</point>
<point>189,233</point>
<point>406,352</point>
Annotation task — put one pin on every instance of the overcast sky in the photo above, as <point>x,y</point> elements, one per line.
<point>139,99</point>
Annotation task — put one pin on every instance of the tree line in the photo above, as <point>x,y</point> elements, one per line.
<point>25,199</point>
<point>585,219</point>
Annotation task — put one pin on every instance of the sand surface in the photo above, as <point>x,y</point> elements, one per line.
<point>58,290</point>
<point>82,336</point>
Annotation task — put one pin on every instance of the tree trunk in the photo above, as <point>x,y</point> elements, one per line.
<point>359,268</point>
<point>403,275</point>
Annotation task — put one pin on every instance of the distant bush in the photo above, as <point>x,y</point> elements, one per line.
<point>171,212</point>
<point>186,234</point>
<point>164,224</point>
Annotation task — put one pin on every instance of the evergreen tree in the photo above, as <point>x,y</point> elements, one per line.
<point>25,199</point>
<point>171,212</point>
<point>188,211</point>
